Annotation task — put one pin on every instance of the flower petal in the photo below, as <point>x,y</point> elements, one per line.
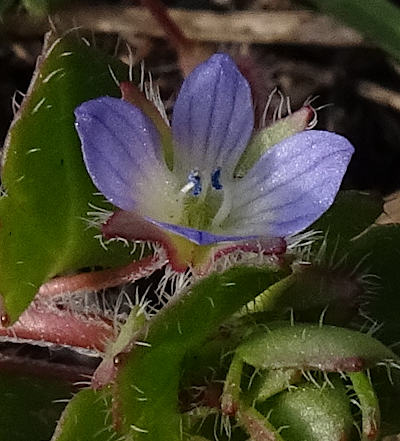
<point>199,237</point>
<point>290,187</point>
<point>123,155</point>
<point>213,118</point>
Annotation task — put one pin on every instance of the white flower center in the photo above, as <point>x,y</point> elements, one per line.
<point>202,199</point>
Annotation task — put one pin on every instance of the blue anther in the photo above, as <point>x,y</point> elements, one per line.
<point>194,178</point>
<point>215,177</point>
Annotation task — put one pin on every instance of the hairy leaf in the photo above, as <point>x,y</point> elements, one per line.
<point>351,213</point>
<point>42,231</point>
<point>311,413</point>
<point>147,385</point>
<point>378,20</point>
<point>87,417</point>
<point>325,348</point>
<point>377,253</point>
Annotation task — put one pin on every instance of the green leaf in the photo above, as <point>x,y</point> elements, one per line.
<point>312,413</point>
<point>28,410</point>
<point>87,417</point>
<point>146,392</point>
<point>377,252</point>
<point>42,231</point>
<point>314,287</point>
<point>310,291</point>
<point>274,381</point>
<point>351,213</point>
<point>303,346</point>
<point>5,5</point>
<point>378,20</point>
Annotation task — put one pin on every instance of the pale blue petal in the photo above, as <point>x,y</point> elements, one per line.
<point>122,152</point>
<point>290,187</point>
<point>212,119</point>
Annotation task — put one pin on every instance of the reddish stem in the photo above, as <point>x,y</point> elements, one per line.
<point>190,53</point>
<point>44,323</point>
<point>98,280</point>
<point>173,31</point>
<point>41,324</point>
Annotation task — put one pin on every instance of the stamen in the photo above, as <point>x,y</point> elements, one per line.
<point>194,183</point>
<point>215,179</point>
<point>187,187</point>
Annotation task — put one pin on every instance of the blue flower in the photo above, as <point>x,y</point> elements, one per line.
<point>199,197</point>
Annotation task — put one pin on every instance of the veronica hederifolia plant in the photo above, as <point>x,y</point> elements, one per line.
<point>210,185</point>
<point>200,196</point>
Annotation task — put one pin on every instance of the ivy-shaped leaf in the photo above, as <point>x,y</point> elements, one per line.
<point>42,231</point>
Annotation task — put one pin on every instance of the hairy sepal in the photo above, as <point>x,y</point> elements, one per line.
<point>268,137</point>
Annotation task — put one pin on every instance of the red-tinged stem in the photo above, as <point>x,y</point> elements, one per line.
<point>42,324</point>
<point>274,246</point>
<point>98,280</point>
<point>160,13</point>
<point>190,53</point>
<point>256,425</point>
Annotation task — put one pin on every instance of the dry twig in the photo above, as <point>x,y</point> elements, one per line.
<point>300,27</point>
<point>379,94</point>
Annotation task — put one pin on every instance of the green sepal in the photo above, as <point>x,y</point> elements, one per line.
<point>106,370</point>
<point>274,381</point>
<point>265,138</point>
<point>257,425</point>
<point>311,291</point>
<point>48,190</point>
